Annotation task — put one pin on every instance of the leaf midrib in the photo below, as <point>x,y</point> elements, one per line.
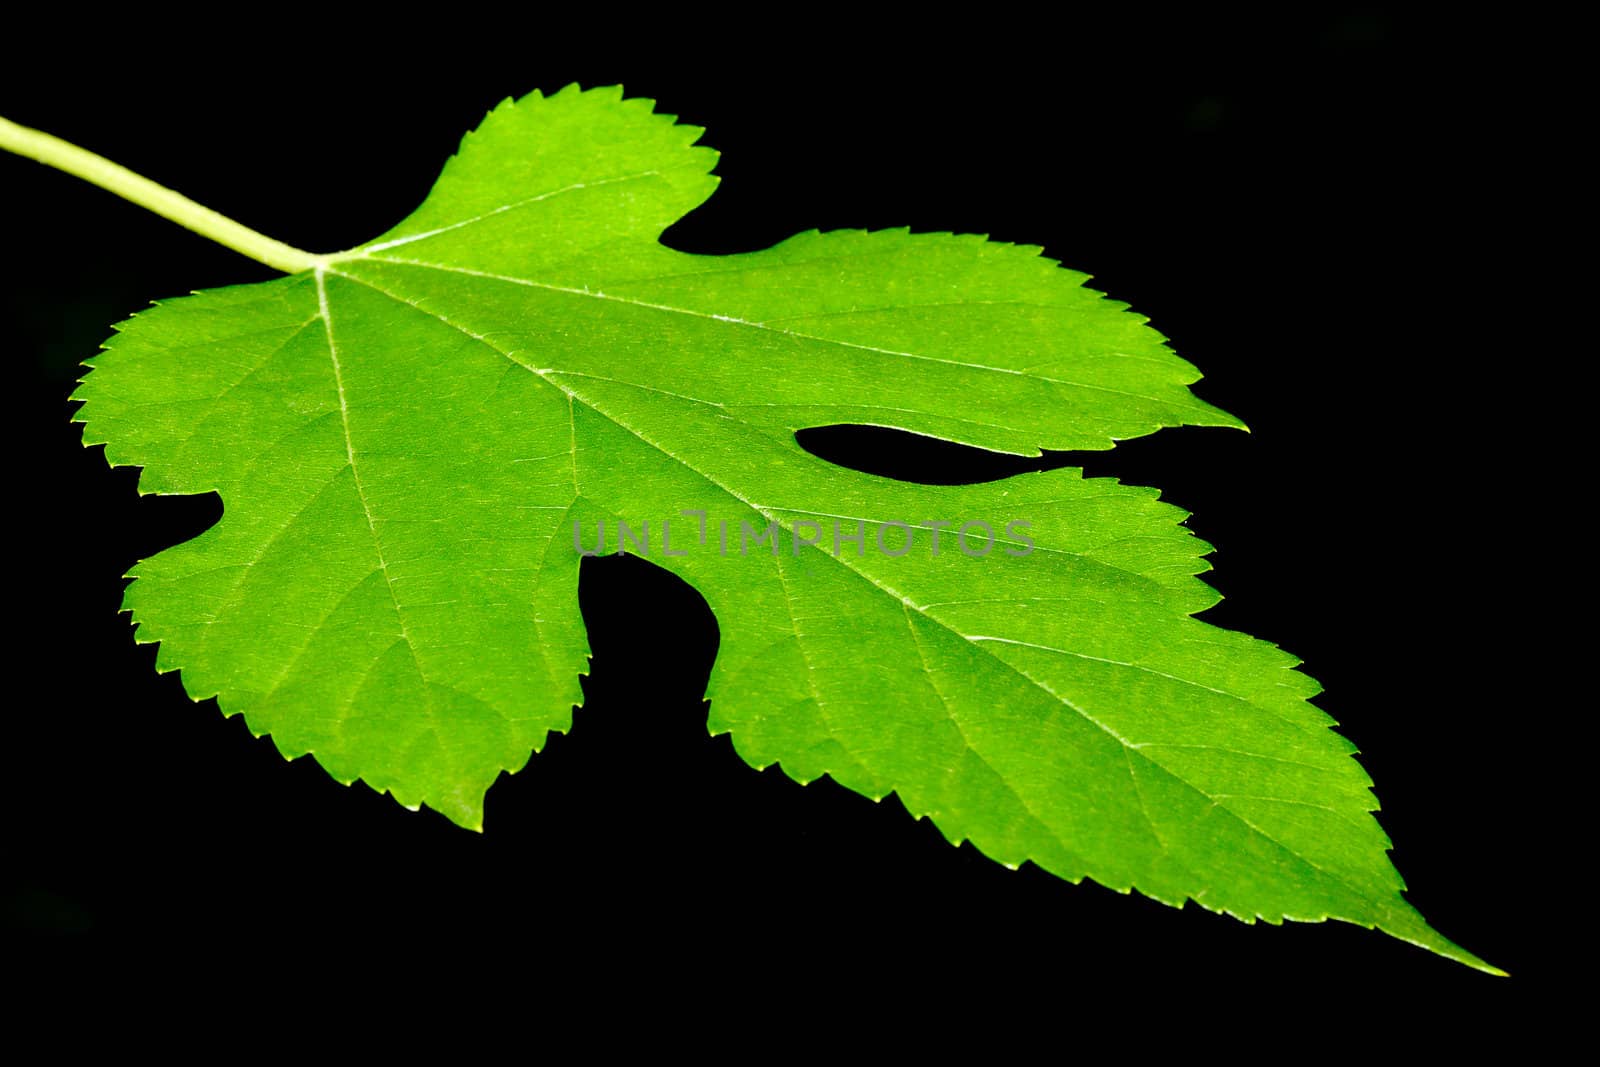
<point>1127,746</point>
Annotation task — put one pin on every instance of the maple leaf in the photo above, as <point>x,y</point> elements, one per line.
<point>417,441</point>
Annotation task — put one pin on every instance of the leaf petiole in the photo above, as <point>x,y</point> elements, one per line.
<point>63,155</point>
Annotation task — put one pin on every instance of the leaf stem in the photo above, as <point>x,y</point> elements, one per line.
<point>54,152</point>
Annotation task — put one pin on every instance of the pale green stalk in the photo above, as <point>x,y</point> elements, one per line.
<point>54,152</point>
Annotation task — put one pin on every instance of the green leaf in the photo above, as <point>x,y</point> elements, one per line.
<point>412,438</point>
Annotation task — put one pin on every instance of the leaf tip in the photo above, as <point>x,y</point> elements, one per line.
<point>1413,929</point>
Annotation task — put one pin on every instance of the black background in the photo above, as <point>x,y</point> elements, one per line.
<point>1307,206</point>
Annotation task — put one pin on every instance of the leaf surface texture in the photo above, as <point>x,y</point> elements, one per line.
<point>405,439</point>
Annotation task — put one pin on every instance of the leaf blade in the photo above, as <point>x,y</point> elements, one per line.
<point>402,436</point>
